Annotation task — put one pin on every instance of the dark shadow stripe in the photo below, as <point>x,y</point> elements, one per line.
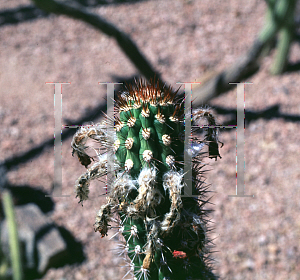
<point>21,14</point>
<point>31,12</point>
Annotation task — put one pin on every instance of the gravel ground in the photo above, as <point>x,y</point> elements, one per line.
<point>255,238</point>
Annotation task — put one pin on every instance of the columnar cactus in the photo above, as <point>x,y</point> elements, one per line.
<point>165,234</point>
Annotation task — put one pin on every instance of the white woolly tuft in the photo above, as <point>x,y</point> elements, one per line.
<point>97,170</point>
<point>128,164</point>
<point>148,196</point>
<point>196,148</point>
<point>82,187</point>
<point>123,185</point>
<point>172,179</point>
<point>147,176</point>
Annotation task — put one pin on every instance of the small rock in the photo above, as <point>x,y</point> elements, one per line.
<point>51,249</point>
<point>262,240</point>
<point>38,234</point>
<point>249,264</point>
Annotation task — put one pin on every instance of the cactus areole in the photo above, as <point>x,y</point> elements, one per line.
<point>164,233</point>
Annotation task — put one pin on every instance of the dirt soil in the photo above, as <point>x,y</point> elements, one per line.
<point>255,238</point>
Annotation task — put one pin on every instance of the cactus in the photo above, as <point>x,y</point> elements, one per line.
<point>165,234</point>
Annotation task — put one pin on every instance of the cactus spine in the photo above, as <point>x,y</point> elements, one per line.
<point>165,234</point>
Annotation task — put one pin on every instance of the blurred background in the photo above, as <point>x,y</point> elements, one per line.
<point>184,40</point>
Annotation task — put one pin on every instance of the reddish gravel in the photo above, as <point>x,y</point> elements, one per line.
<point>256,238</point>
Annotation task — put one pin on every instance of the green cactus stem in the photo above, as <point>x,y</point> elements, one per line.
<point>164,234</point>
<point>14,246</point>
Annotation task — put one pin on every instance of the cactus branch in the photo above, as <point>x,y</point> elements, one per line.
<point>165,234</point>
